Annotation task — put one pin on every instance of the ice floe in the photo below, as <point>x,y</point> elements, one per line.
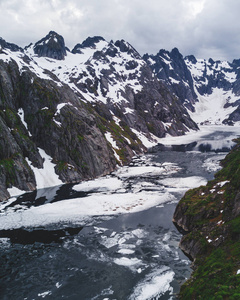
<point>154,285</point>
<point>78,210</point>
<point>212,164</point>
<point>183,183</point>
<point>103,184</point>
<point>127,262</point>
<point>146,171</point>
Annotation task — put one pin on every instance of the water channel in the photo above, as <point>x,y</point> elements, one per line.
<point>122,244</point>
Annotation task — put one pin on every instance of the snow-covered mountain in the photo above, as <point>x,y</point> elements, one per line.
<point>113,74</point>
<point>209,89</point>
<point>68,115</point>
<point>73,115</point>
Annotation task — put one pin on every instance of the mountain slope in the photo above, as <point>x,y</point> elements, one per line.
<point>209,89</point>
<point>41,115</point>
<point>210,217</point>
<point>80,113</point>
<point>113,74</point>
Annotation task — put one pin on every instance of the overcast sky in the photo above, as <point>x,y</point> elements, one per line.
<point>204,28</point>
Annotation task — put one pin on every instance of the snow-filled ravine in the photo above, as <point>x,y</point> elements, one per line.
<point>109,238</point>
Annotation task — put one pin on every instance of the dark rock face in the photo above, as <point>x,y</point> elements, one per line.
<point>172,69</point>
<point>77,146</point>
<point>189,78</point>
<point>90,42</point>
<point>10,46</point>
<point>52,46</point>
<point>126,47</point>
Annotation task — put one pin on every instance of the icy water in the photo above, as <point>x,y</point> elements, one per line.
<point>121,245</point>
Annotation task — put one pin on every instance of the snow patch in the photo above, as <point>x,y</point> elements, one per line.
<point>222,183</point>
<point>212,164</point>
<point>125,251</point>
<point>173,184</point>
<point>210,108</point>
<point>109,138</point>
<point>45,177</point>
<point>146,171</point>
<point>14,191</point>
<point>174,80</point>
<point>21,115</point>
<point>44,294</point>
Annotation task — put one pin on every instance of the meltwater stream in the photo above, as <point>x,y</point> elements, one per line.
<point>111,238</point>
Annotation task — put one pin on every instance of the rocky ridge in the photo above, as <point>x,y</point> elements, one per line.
<point>209,89</point>
<point>209,217</point>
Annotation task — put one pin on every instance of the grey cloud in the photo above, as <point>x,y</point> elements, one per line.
<point>147,25</point>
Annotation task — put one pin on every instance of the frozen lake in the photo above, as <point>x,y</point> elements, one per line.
<point>109,238</point>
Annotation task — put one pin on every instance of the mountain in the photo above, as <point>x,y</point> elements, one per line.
<point>209,218</point>
<point>67,116</point>
<point>209,89</point>
<point>82,112</point>
<point>115,76</point>
<point>52,46</point>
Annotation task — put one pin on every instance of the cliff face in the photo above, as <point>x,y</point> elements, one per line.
<point>172,69</point>
<point>38,114</point>
<point>210,218</point>
<point>200,83</point>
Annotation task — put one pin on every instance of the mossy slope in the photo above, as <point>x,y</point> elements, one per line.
<point>210,217</point>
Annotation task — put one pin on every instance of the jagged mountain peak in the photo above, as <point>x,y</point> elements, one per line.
<point>90,42</point>
<point>10,46</point>
<point>163,52</point>
<point>191,58</point>
<point>52,46</point>
<point>176,54</point>
<point>169,55</point>
<point>98,108</point>
<point>236,63</point>
<point>126,47</point>
<point>211,61</point>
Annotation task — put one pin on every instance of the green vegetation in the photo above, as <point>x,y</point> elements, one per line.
<point>45,95</point>
<point>8,165</point>
<point>231,167</point>
<point>80,138</point>
<point>151,128</point>
<point>62,165</point>
<point>213,214</point>
<point>216,276</point>
<point>122,134</point>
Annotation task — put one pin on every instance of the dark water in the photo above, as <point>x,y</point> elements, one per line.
<point>128,256</point>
